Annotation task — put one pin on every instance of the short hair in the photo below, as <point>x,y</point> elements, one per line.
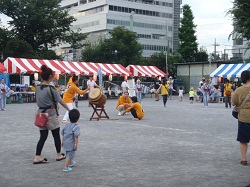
<point>245,76</point>
<point>125,92</point>
<point>74,115</point>
<point>134,99</point>
<point>74,78</point>
<point>227,81</point>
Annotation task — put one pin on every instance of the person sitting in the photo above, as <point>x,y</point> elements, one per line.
<point>33,87</point>
<point>216,94</point>
<point>123,103</point>
<point>135,109</point>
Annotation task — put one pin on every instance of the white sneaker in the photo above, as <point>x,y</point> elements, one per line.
<point>119,114</point>
<point>67,169</point>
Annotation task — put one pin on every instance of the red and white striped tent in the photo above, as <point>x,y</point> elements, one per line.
<point>145,71</point>
<point>2,68</point>
<point>21,65</point>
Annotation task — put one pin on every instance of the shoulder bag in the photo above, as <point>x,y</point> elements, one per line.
<point>236,110</point>
<point>41,118</point>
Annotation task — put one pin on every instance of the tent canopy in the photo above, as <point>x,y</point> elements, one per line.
<point>230,70</point>
<point>21,65</point>
<point>2,68</point>
<point>145,71</point>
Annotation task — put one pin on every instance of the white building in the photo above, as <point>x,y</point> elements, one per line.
<point>156,22</point>
<point>239,49</point>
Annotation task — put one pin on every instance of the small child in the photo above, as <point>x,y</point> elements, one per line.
<point>180,93</point>
<point>191,95</point>
<point>70,134</point>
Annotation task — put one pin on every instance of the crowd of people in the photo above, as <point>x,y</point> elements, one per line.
<point>48,98</point>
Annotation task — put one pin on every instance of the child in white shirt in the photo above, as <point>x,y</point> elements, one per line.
<point>181,93</point>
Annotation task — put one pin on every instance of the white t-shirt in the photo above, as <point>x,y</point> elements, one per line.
<point>91,84</point>
<point>181,93</point>
<point>124,86</point>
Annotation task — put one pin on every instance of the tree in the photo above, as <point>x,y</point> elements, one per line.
<point>122,47</point>
<point>201,55</point>
<point>159,60</point>
<point>38,23</point>
<point>241,18</point>
<point>188,46</point>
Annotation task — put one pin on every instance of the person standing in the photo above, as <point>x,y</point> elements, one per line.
<point>123,103</point>
<point>135,109</point>
<point>138,90</point>
<point>91,84</point>
<point>170,87</point>
<point>206,88</point>
<point>227,93</point>
<point>191,95</point>
<point>164,91</point>
<point>70,134</point>
<point>3,90</point>
<point>244,115</point>
<point>124,86</point>
<point>47,98</point>
<point>69,95</point>
<point>157,83</point>
<point>181,93</point>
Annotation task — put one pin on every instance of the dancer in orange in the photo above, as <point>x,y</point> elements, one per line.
<point>68,96</point>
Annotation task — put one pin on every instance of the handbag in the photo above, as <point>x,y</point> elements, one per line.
<point>236,110</point>
<point>42,118</point>
<point>228,93</point>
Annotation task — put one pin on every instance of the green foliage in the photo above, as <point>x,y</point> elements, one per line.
<point>35,26</point>
<point>122,47</point>
<point>38,23</point>
<point>159,60</point>
<point>241,18</point>
<point>188,41</point>
<point>201,56</point>
<point>75,39</point>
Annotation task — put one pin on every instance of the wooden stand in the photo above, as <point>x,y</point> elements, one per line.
<point>98,110</point>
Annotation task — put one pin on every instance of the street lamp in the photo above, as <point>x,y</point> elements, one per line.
<point>131,20</point>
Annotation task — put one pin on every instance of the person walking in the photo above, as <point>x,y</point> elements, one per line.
<point>164,91</point>
<point>47,98</point>
<point>70,134</point>
<point>170,87</point>
<point>244,115</point>
<point>206,88</point>
<point>227,93</point>
<point>3,91</point>
<point>69,95</point>
<point>157,83</point>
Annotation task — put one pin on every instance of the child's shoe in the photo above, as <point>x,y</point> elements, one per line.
<point>67,169</point>
<point>72,163</point>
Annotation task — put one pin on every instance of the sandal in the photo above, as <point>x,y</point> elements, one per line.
<point>63,156</point>
<point>244,163</point>
<point>44,161</point>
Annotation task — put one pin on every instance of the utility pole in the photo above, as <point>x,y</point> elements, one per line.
<point>215,45</point>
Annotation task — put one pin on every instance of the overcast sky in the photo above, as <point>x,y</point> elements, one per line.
<point>212,22</point>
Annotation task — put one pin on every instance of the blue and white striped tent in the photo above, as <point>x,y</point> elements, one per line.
<point>230,70</point>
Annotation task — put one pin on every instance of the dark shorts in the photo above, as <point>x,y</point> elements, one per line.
<point>243,132</point>
<point>191,98</point>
